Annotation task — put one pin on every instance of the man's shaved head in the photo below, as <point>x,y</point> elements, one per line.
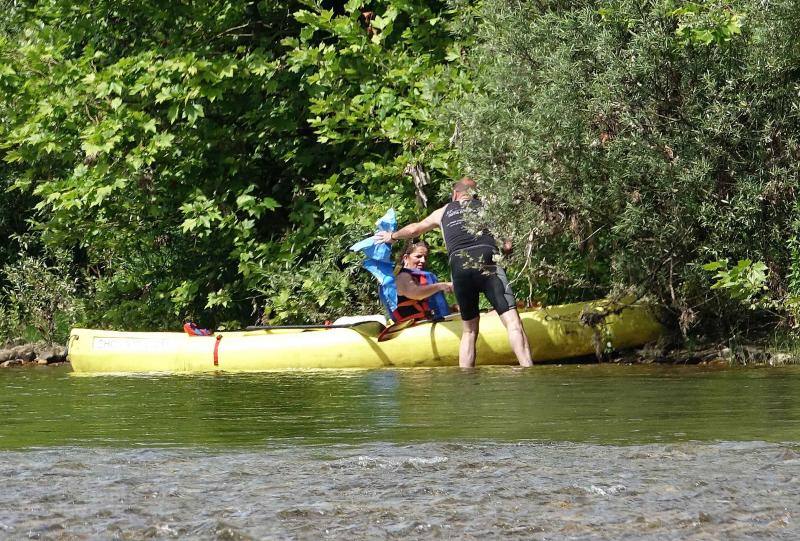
<point>465,185</point>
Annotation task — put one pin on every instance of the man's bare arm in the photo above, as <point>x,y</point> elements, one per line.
<point>416,229</point>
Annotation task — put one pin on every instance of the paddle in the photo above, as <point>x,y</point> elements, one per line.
<point>371,327</point>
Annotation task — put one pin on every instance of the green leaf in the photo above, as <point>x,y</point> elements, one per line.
<point>163,140</point>
<point>353,6</point>
<point>193,111</point>
<point>149,126</point>
<point>172,113</point>
<point>189,224</point>
<point>715,265</point>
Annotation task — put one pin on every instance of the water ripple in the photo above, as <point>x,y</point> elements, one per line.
<point>459,490</point>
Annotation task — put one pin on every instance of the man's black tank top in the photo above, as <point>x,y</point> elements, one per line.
<point>456,235</point>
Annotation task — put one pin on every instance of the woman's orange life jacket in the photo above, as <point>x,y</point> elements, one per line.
<point>412,308</point>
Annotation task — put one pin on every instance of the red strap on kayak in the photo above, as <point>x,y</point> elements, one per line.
<point>216,349</point>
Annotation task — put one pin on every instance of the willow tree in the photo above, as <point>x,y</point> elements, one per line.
<point>648,147</point>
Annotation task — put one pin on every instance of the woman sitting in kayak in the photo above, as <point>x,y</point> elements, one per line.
<point>419,294</point>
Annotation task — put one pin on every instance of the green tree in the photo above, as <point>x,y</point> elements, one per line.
<point>215,161</point>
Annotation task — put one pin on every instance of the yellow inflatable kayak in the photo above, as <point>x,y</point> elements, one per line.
<point>554,333</point>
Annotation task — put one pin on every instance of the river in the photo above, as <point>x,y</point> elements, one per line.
<point>554,452</point>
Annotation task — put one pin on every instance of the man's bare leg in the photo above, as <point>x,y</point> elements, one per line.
<point>516,337</point>
<point>469,335</point>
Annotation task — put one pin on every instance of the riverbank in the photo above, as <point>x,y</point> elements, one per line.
<point>717,354</point>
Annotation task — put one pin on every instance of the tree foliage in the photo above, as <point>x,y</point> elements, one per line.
<point>214,161</point>
<point>630,143</point>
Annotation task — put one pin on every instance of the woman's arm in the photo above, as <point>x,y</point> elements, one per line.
<point>408,288</point>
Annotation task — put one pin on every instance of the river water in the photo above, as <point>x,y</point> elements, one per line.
<point>554,452</point>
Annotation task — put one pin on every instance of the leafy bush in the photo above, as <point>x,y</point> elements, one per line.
<point>10,328</point>
<point>745,281</point>
<point>41,296</point>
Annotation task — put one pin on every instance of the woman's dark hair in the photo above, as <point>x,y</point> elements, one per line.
<point>409,246</point>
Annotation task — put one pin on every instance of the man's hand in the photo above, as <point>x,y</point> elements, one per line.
<point>382,237</point>
<point>411,230</point>
<point>445,287</point>
<point>508,247</point>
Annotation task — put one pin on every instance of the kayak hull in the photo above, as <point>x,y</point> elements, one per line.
<point>554,333</point>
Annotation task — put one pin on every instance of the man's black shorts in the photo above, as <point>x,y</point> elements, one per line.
<point>474,271</point>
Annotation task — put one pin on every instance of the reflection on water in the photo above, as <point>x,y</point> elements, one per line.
<point>593,403</point>
<point>558,452</point>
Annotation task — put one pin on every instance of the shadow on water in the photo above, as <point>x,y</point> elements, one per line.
<point>599,404</point>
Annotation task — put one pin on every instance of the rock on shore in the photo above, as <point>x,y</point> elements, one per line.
<point>33,354</point>
<point>713,354</point>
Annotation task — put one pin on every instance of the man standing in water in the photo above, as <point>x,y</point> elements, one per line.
<point>474,270</point>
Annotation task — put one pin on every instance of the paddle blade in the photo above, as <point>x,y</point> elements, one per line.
<point>368,329</point>
<point>393,330</point>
